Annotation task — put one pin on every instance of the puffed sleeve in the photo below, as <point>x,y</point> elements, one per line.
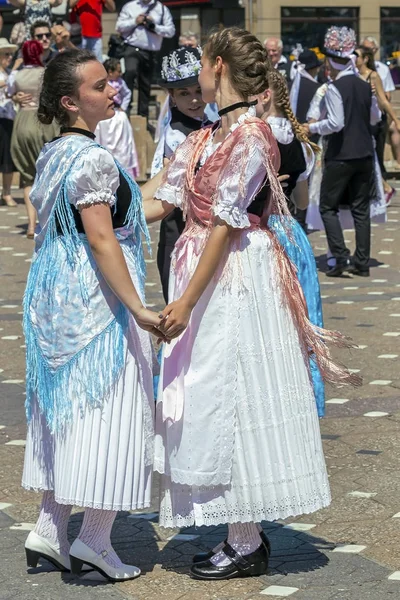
<point>94,179</point>
<point>172,187</point>
<point>240,180</point>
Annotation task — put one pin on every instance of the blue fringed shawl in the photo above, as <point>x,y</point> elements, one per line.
<point>75,327</point>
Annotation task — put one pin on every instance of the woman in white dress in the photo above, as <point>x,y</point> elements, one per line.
<point>89,356</point>
<point>237,431</point>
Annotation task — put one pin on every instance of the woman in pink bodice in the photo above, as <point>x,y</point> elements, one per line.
<point>237,432</point>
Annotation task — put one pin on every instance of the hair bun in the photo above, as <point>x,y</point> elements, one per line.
<point>46,111</point>
<point>245,57</point>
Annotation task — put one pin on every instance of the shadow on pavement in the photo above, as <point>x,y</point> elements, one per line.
<point>140,542</point>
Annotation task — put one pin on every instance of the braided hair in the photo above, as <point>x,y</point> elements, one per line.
<point>277,83</point>
<point>245,56</point>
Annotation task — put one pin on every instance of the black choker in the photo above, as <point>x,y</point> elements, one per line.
<point>232,107</point>
<point>88,134</point>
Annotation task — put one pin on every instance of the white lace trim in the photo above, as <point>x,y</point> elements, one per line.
<point>170,194</point>
<point>233,215</point>
<point>97,197</point>
<point>220,511</point>
<point>250,114</point>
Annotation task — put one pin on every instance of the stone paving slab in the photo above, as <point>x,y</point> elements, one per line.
<point>362,454</point>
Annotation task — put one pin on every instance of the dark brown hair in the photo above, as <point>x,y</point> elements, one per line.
<point>61,78</point>
<point>369,54</point>
<point>245,56</point>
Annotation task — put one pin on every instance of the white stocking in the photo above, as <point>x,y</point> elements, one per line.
<point>52,523</point>
<point>243,537</point>
<point>96,533</point>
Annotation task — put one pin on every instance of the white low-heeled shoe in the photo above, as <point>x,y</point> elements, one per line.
<point>37,547</point>
<point>80,555</point>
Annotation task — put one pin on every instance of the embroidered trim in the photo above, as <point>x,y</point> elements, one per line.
<point>99,197</point>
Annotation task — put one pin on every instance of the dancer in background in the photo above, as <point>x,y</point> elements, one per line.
<point>316,112</point>
<point>116,133</point>
<point>302,92</point>
<point>7,116</point>
<point>377,200</point>
<point>28,135</point>
<point>297,161</point>
<point>89,355</point>
<point>381,129</point>
<point>304,84</point>
<point>183,112</point>
<point>367,69</point>
<point>349,154</point>
<point>235,390</point>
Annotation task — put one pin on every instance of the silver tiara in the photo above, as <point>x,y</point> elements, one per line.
<point>173,69</point>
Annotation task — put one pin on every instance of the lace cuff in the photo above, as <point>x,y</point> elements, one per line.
<point>98,197</point>
<point>233,215</point>
<point>169,193</point>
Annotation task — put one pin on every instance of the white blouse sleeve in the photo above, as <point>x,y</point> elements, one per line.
<point>240,180</point>
<point>172,187</point>
<point>309,156</point>
<point>94,179</point>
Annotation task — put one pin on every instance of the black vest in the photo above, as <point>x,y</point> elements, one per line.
<point>354,141</point>
<point>293,163</point>
<point>307,90</point>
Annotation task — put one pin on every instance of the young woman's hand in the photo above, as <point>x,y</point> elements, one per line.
<point>175,318</point>
<point>149,321</point>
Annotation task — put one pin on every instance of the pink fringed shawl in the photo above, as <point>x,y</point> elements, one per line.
<point>198,200</point>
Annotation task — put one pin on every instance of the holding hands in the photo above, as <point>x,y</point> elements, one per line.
<point>175,318</point>
<point>150,321</point>
<point>167,325</point>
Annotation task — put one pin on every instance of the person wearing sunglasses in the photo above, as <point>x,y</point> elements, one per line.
<point>40,31</point>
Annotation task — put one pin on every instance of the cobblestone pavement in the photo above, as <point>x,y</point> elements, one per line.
<point>349,551</point>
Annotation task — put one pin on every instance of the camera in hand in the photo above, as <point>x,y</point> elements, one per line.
<point>149,23</point>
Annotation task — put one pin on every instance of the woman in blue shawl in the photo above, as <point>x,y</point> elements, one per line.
<point>89,354</point>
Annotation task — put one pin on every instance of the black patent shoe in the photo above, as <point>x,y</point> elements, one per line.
<point>250,565</point>
<point>202,556</point>
<point>338,270</point>
<point>359,272</point>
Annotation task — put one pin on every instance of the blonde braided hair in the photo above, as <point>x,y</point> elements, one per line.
<point>277,83</point>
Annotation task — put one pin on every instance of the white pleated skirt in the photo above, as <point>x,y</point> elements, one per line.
<point>247,446</point>
<point>103,459</point>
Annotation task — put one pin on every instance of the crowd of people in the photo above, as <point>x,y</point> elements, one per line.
<point>252,151</point>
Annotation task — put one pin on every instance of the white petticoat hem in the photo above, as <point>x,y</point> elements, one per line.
<point>85,504</point>
<point>168,522</point>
